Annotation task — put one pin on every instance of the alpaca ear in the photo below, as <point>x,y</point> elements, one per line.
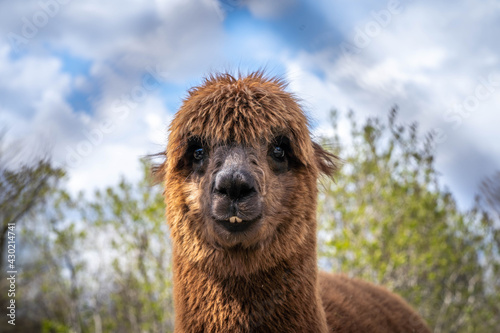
<point>327,162</point>
<point>157,170</point>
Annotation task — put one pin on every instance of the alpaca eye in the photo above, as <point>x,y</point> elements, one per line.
<point>279,153</point>
<point>199,154</point>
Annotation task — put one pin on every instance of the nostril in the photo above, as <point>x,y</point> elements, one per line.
<point>221,190</point>
<point>246,191</point>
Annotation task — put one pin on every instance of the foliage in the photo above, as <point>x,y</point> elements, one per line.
<point>100,265</point>
<point>21,191</point>
<point>386,219</point>
<point>134,218</point>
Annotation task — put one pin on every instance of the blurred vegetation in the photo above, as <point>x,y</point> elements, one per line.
<point>21,191</point>
<point>98,265</point>
<point>386,219</point>
<point>102,262</point>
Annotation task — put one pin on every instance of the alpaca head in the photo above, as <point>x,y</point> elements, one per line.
<point>241,174</point>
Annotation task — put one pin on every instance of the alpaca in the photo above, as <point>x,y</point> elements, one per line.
<point>240,178</point>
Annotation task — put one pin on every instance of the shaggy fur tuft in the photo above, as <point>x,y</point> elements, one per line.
<point>240,178</point>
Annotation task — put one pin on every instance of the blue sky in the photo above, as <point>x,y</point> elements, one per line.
<point>95,84</point>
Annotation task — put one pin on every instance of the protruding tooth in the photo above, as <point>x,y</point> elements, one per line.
<point>235,219</point>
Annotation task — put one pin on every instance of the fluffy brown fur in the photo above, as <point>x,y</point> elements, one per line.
<point>259,275</point>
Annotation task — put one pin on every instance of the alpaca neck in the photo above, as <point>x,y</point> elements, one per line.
<point>282,299</point>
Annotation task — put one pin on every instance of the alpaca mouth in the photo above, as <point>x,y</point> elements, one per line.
<point>235,224</point>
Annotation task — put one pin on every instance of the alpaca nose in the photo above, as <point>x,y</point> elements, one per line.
<point>238,185</point>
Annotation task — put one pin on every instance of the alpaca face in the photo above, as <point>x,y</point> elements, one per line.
<point>242,194</point>
<point>240,167</point>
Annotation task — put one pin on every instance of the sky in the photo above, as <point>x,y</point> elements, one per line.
<point>94,84</point>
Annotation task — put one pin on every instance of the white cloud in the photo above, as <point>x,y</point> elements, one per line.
<point>123,38</point>
<point>34,108</point>
<point>124,41</point>
<point>318,97</point>
<point>112,146</point>
<point>426,60</point>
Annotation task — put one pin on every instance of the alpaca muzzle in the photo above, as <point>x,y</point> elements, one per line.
<point>236,202</point>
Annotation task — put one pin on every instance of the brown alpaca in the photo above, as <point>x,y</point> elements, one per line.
<point>240,189</point>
